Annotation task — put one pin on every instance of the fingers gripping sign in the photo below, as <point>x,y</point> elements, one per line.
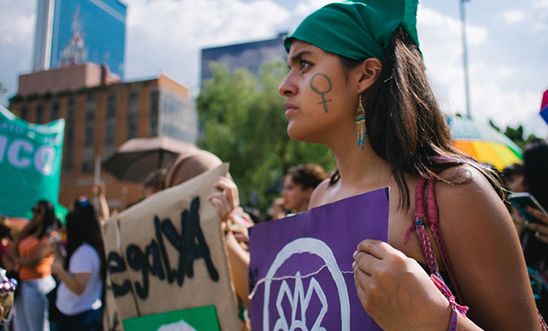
<point>226,199</point>
<point>394,289</point>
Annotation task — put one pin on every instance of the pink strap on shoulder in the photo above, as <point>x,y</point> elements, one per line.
<point>426,215</point>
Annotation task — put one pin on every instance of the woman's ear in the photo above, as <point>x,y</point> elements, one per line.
<point>369,71</point>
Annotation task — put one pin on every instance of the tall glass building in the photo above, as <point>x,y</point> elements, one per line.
<point>78,31</point>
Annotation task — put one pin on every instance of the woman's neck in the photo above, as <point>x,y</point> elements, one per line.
<point>360,167</point>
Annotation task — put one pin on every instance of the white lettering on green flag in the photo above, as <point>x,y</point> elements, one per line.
<point>30,163</point>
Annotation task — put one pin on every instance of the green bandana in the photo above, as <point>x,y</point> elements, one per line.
<point>357,29</point>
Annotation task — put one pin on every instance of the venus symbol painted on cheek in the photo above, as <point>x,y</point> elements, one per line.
<point>321,84</point>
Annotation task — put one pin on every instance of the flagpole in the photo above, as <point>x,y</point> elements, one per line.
<point>465,58</point>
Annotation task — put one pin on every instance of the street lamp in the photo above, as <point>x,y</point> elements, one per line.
<point>465,57</point>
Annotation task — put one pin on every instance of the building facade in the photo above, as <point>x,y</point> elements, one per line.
<point>251,55</point>
<point>101,113</point>
<point>78,31</point>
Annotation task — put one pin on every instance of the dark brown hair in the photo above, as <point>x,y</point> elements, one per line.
<point>307,175</point>
<point>404,123</point>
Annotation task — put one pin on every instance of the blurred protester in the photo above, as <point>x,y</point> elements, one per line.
<point>513,177</point>
<point>277,209</point>
<point>6,241</point>
<point>7,289</point>
<point>81,272</point>
<point>299,183</point>
<point>534,236</point>
<point>34,256</point>
<point>7,271</point>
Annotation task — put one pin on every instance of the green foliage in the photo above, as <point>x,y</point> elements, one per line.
<point>517,134</point>
<point>243,122</point>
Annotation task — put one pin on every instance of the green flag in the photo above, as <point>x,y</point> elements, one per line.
<point>30,163</point>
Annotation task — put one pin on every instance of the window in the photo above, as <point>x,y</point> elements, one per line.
<point>89,132</point>
<point>24,112</point>
<point>69,135</point>
<point>39,113</point>
<point>153,113</point>
<point>110,122</point>
<point>132,114</point>
<point>55,109</point>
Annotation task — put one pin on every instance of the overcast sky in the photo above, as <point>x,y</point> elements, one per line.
<point>508,46</point>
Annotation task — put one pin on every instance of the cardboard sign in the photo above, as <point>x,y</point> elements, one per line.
<point>301,266</point>
<point>167,253</point>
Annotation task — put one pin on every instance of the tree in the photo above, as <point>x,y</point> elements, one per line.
<point>517,134</point>
<point>243,122</point>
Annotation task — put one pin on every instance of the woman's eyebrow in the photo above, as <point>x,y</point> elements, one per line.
<point>297,57</point>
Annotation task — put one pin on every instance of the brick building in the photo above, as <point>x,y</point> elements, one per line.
<point>101,113</point>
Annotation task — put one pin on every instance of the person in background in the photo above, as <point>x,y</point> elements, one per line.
<point>34,255</point>
<point>299,183</point>
<point>81,272</point>
<point>534,236</point>
<point>513,177</point>
<point>277,209</point>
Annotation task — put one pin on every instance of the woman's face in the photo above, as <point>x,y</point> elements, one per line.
<point>320,97</point>
<point>294,196</point>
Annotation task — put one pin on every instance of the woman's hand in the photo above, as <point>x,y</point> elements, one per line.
<point>226,199</point>
<point>395,291</point>
<point>541,229</point>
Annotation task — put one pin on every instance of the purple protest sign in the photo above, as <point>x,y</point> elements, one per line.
<point>300,272</point>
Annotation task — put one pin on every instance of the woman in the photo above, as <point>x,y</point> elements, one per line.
<point>34,256</point>
<point>534,235</point>
<point>81,273</point>
<point>357,84</point>
<point>299,183</point>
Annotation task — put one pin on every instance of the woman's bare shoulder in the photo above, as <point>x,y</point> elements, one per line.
<point>466,184</point>
<point>319,195</point>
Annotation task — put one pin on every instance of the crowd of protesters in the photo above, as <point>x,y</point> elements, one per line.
<point>384,128</point>
<point>61,269</point>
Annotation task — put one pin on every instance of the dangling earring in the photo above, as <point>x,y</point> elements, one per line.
<point>360,123</point>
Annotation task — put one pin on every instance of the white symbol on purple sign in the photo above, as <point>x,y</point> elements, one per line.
<point>298,298</point>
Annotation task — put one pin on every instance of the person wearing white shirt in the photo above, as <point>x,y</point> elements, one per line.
<point>81,274</point>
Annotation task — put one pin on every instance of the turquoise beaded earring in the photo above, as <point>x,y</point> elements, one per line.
<point>360,123</point>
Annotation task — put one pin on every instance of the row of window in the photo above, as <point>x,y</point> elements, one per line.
<point>90,111</point>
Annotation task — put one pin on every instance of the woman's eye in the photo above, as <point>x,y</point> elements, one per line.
<point>304,64</point>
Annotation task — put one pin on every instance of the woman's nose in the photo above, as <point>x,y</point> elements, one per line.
<point>287,87</point>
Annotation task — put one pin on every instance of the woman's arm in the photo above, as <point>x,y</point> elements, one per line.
<point>76,282</point>
<point>398,294</point>
<point>225,201</point>
<point>239,265</point>
<point>43,251</point>
<point>485,254</point>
